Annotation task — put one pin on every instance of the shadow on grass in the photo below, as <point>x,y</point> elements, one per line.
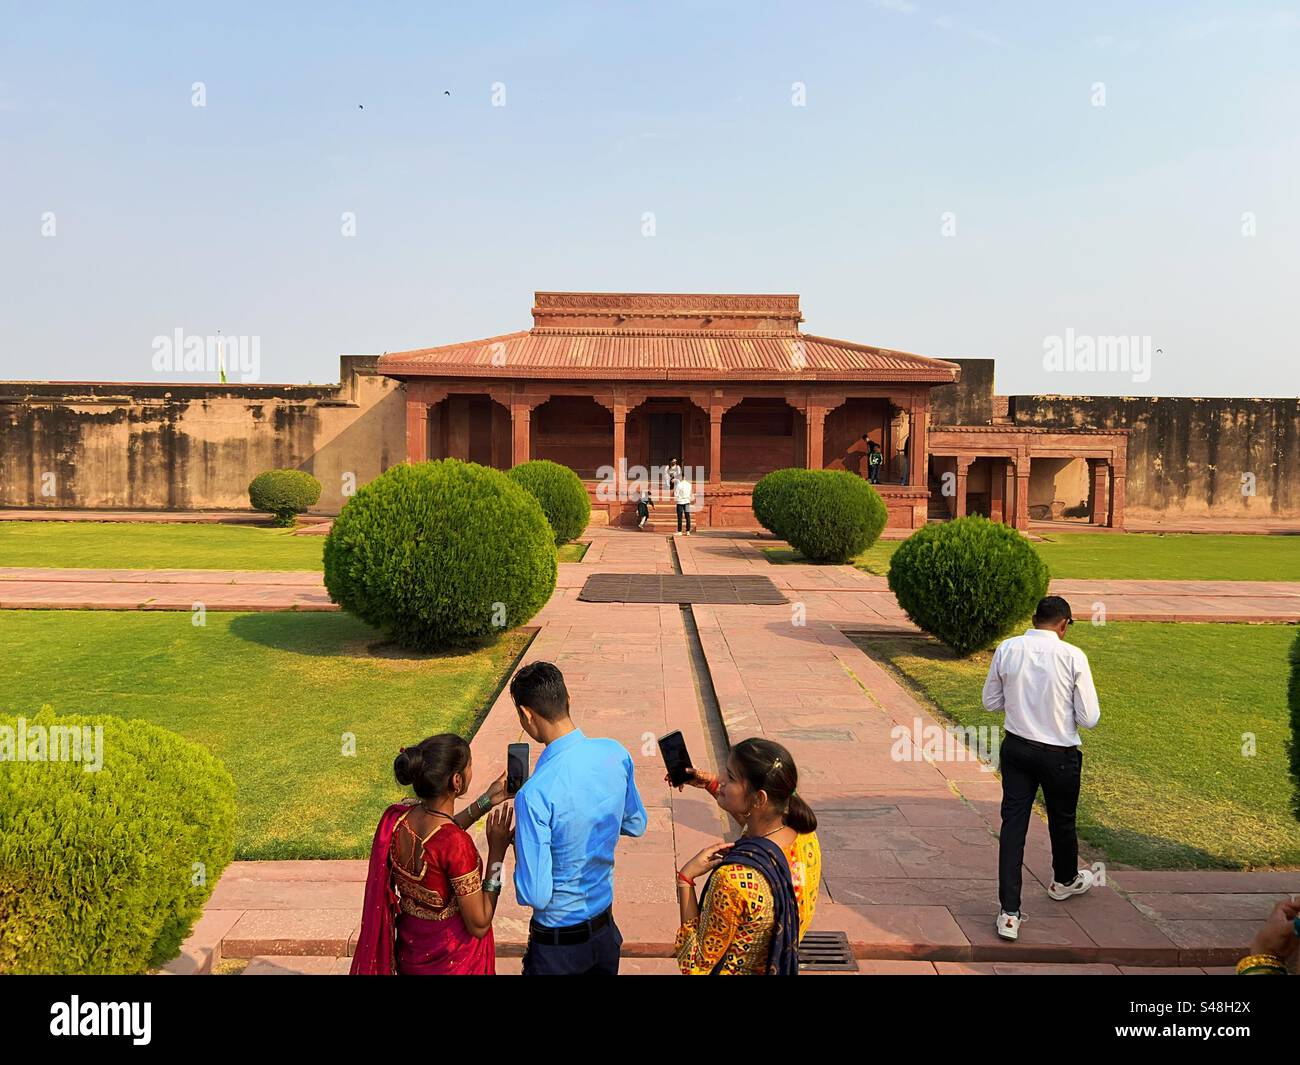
<point>321,634</point>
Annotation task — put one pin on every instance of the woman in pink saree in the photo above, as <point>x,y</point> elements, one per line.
<point>428,910</point>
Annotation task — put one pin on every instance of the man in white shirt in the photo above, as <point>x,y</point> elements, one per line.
<point>1044,687</point>
<point>682,495</point>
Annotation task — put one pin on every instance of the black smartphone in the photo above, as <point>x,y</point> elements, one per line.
<point>677,761</point>
<point>516,767</point>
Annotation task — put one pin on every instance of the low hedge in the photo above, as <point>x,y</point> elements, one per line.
<point>105,871</point>
<point>284,493</point>
<point>967,582</point>
<point>561,493</point>
<point>441,554</point>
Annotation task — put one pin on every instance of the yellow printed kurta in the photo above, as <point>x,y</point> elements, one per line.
<point>736,915</point>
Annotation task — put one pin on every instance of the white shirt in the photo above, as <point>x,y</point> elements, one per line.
<point>1044,686</point>
<point>682,493</point>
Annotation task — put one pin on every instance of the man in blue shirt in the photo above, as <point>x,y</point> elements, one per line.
<point>568,817</point>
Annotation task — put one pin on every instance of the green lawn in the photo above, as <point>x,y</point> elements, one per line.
<point>124,545</point>
<point>1165,782</point>
<point>1133,556</point>
<point>272,695</point>
<point>571,552</point>
<point>1171,556</point>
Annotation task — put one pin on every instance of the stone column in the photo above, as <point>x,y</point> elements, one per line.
<point>520,416</point>
<point>1098,508</point>
<point>1022,494</point>
<point>620,443</point>
<point>417,430</point>
<point>1117,479</point>
<point>815,418</point>
<point>715,443</point>
<point>963,469</point>
<point>918,442</point>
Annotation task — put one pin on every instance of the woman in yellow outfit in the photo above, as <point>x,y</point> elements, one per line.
<point>762,891</point>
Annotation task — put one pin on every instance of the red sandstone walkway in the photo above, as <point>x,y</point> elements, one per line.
<point>840,594</point>
<point>909,845</point>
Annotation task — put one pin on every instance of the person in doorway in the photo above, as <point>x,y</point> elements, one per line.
<point>674,474</point>
<point>1044,687</point>
<point>683,495</point>
<point>875,460</point>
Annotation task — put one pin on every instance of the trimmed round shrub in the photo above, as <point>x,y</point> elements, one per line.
<point>283,493</point>
<point>560,492</point>
<point>967,582</point>
<point>829,515</point>
<point>106,861</point>
<point>768,498</point>
<point>441,554</point>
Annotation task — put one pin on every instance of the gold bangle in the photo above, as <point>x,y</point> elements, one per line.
<point>1265,962</point>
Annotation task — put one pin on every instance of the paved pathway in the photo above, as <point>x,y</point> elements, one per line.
<point>840,594</point>
<point>910,845</point>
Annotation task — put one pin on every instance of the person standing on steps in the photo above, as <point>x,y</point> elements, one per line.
<point>643,505</point>
<point>674,474</point>
<point>1044,687</point>
<point>682,496</point>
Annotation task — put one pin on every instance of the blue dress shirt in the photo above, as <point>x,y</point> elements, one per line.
<point>568,817</point>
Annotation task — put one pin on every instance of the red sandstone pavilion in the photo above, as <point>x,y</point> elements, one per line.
<point>728,384</point>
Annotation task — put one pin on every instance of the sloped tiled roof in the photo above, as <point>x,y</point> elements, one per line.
<point>649,336</point>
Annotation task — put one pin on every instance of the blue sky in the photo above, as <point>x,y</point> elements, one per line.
<point>1066,218</point>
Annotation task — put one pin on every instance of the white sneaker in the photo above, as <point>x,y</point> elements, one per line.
<point>1081,883</point>
<point>1008,925</point>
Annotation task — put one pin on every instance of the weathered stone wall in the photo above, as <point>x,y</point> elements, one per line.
<point>196,447</point>
<point>1187,457</point>
<point>193,447</point>
<point>970,400</point>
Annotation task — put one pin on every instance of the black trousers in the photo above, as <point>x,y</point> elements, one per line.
<point>683,509</point>
<point>1026,768</point>
<point>596,957</point>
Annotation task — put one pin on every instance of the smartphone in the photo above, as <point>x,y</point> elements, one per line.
<point>677,761</point>
<point>516,767</point>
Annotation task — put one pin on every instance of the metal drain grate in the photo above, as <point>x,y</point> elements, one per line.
<point>826,952</point>
<point>680,588</point>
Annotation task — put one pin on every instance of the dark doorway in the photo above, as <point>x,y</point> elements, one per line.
<point>665,438</point>
<point>480,430</point>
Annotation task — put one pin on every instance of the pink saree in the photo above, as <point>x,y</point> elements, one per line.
<point>410,920</point>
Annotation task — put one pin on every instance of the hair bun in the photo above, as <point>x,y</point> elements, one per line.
<point>408,765</point>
